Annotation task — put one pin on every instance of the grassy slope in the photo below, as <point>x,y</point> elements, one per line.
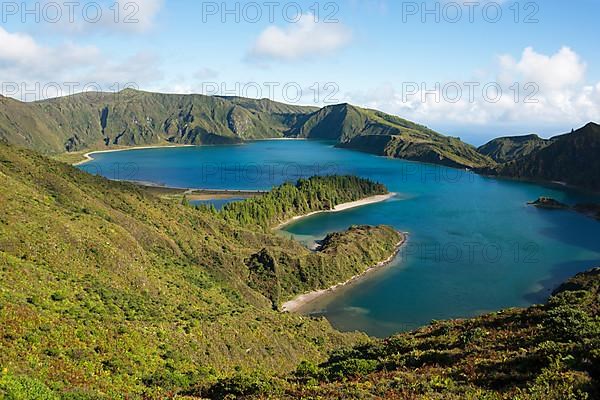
<point>105,287</point>
<point>383,134</point>
<point>507,149</point>
<point>547,352</point>
<point>571,158</point>
<point>134,118</point>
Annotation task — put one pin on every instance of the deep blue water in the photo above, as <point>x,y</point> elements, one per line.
<point>475,246</point>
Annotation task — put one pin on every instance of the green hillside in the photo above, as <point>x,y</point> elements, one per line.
<point>571,158</point>
<point>93,121</point>
<point>108,290</point>
<point>546,352</point>
<point>511,148</point>
<point>387,135</point>
<point>133,118</point>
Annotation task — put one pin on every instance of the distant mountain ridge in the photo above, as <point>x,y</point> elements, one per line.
<point>134,118</point>
<point>379,133</point>
<point>571,159</point>
<point>98,121</point>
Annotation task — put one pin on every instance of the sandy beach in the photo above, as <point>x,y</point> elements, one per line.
<point>299,301</point>
<point>88,156</point>
<point>342,207</point>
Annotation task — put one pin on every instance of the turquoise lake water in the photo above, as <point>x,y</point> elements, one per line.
<point>474,245</point>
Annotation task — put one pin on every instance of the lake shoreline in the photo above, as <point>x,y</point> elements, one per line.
<point>88,156</point>
<point>301,300</point>
<point>341,207</point>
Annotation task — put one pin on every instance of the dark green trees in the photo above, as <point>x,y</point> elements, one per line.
<point>307,195</point>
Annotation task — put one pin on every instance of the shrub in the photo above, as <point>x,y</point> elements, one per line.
<point>168,379</point>
<point>473,336</point>
<point>308,373</point>
<point>570,324</point>
<point>242,385</point>
<point>23,388</point>
<point>79,394</point>
<point>57,296</point>
<point>351,368</point>
<point>555,383</point>
<point>307,369</point>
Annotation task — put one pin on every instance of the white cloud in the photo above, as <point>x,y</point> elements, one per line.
<point>557,71</point>
<point>146,14</point>
<point>20,52</point>
<point>16,46</point>
<point>28,67</point>
<point>563,99</point>
<point>305,38</point>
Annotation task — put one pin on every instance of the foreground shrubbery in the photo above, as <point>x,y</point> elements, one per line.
<point>549,352</point>
<point>106,290</point>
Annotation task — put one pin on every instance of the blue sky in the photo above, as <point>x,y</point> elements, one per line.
<point>373,53</point>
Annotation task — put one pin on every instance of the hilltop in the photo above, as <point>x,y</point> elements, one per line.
<point>379,133</point>
<point>571,159</point>
<point>132,118</point>
<point>505,149</point>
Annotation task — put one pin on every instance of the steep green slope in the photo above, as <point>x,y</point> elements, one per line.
<point>571,158</point>
<point>106,289</point>
<point>133,118</point>
<point>548,352</point>
<point>383,134</point>
<point>510,148</point>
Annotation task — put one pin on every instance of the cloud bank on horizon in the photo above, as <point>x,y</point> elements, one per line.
<point>547,89</point>
<point>372,56</point>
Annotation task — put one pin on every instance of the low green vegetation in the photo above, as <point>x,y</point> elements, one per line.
<point>379,133</point>
<point>569,159</point>
<point>505,149</point>
<point>109,292</point>
<point>547,352</point>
